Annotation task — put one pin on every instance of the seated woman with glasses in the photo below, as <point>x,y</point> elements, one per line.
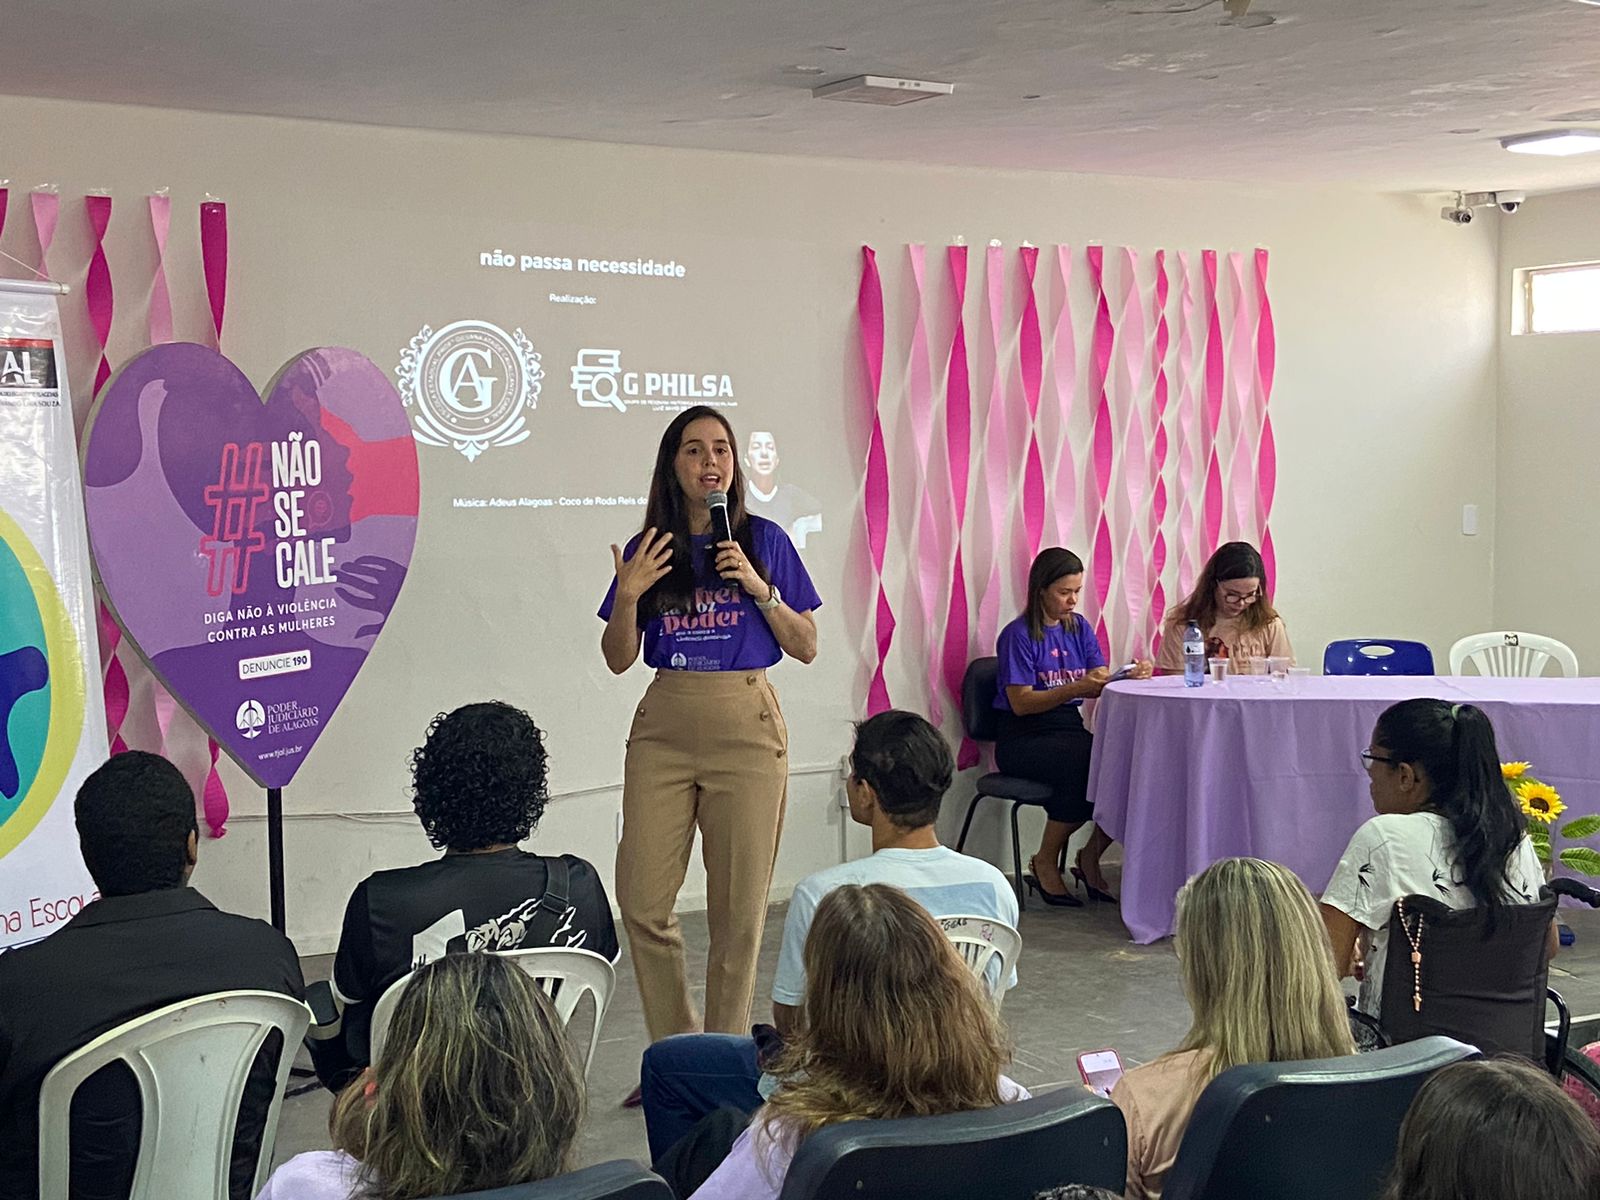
<point>1233,610</point>
<point>1447,827</point>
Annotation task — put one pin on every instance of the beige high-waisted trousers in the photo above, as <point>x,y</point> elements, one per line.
<point>708,749</point>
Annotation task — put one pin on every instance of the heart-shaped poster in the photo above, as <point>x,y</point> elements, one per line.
<point>252,550</point>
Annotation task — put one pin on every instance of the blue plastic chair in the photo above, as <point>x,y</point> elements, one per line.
<point>1377,656</point>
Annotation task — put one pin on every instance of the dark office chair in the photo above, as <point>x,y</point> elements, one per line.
<point>618,1180</point>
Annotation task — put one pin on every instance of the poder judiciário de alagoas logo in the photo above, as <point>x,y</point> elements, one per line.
<point>469,386</point>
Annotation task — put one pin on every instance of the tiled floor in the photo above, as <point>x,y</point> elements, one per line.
<point>1082,986</point>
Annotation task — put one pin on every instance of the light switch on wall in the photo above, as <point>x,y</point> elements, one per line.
<point>1469,520</point>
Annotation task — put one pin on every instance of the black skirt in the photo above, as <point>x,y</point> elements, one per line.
<point>1051,748</point>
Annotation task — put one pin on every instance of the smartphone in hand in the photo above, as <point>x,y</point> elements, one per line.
<point>1100,1070</point>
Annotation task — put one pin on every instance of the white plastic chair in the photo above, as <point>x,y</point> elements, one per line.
<point>564,975</point>
<point>982,940</point>
<point>1511,654</point>
<point>191,1061</point>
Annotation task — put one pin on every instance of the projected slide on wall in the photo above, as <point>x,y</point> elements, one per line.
<point>541,368</point>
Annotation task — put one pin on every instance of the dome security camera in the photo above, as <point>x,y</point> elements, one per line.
<point>1510,202</point>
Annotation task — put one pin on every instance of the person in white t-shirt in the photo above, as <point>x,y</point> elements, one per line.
<point>1447,827</point>
<point>900,769</point>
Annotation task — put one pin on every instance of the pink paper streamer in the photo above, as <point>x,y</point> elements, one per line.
<point>214,798</point>
<point>46,209</point>
<point>1135,456</point>
<point>928,557</point>
<point>5,195</point>
<point>1158,455</point>
<point>997,454</point>
<point>958,455</point>
<point>97,291</point>
<point>160,294</point>
<point>116,679</point>
<point>1213,400</point>
<point>1267,454</point>
<point>1189,431</point>
<point>1030,366</point>
<point>869,306</point>
<point>1064,362</point>
<point>1242,364</point>
<point>1102,445</point>
<point>214,258</point>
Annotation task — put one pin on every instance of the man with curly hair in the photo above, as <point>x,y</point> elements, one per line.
<point>479,788</point>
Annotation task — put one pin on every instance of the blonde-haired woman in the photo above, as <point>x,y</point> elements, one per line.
<point>893,1025</point>
<point>1258,973</point>
<point>475,1089</point>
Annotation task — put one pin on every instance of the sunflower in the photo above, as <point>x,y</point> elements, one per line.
<point>1513,770</point>
<point>1540,801</point>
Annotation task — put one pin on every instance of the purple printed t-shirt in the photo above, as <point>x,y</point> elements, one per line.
<point>1061,657</point>
<point>726,631</point>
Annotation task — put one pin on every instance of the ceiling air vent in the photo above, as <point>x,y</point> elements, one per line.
<point>882,89</point>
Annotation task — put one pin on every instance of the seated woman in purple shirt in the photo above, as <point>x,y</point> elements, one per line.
<point>894,1024</point>
<point>1050,663</point>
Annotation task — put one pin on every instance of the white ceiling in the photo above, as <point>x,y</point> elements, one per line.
<point>1393,94</point>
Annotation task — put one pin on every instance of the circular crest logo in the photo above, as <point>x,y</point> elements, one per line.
<point>42,688</point>
<point>250,718</point>
<point>470,385</point>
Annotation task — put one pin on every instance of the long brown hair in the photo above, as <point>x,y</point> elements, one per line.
<point>1235,560</point>
<point>1498,1130</point>
<point>1257,968</point>
<point>668,511</point>
<point>894,1024</point>
<point>476,1087</point>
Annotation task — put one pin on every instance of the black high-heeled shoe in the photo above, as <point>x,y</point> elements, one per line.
<point>1059,899</point>
<point>1094,893</point>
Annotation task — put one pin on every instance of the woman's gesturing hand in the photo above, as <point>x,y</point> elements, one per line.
<point>651,560</point>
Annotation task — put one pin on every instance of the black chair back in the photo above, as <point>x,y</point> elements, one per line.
<point>1483,975</point>
<point>1324,1129</point>
<point>1008,1152</point>
<point>978,685</point>
<point>618,1180</point>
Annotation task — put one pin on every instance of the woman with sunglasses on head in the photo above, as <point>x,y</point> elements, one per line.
<point>1233,610</point>
<point>1049,664</point>
<point>1447,827</point>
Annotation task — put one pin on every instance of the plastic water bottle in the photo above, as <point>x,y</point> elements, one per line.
<point>1194,656</point>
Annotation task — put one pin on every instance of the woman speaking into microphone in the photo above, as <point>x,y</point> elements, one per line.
<point>714,596</point>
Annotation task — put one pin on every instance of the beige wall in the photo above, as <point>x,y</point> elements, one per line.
<point>1547,555</point>
<point>1384,408</point>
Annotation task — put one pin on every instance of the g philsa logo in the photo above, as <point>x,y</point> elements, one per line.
<point>469,385</point>
<point>250,718</point>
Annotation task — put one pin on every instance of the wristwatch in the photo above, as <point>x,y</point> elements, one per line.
<point>772,601</point>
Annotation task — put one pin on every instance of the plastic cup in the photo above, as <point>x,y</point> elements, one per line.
<point>1299,672</point>
<point>1258,666</point>
<point>1219,670</point>
<point>1278,667</point>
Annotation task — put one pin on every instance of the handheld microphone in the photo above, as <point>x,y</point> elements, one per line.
<point>721,530</point>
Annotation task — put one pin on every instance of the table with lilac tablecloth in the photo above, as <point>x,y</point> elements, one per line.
<point>1185,776</point>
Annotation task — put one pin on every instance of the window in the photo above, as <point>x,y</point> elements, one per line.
<point>1559,299</point>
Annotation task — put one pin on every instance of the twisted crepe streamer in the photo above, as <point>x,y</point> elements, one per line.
<point>1190,426</point>
<point>46,209</point>
<point>1158,456</point>
<point>1102,445</point>
<point>997,456</point>
<point>1246,432</point>
<point>1130,511</point>
<point>5,194</point>
<point>214,263</point>
<point>869,308</point>
<point>214,258</point>
<point>958,455</point>
<point>160,295</point>
<point>1030,366</point>
<point>116,679</point>
<point>1213,405</point>
<point>1267,455</point>
<point>1064,365</point>
<point>928,559</point>
<point>97,291</point>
